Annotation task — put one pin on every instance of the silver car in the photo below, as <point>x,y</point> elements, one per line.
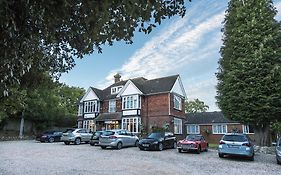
<point>278,151</point>
<point>76,136</point>
<point>236,144</point>
<point>118,139</point>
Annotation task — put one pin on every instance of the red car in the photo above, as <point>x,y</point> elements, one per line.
<point>193,143</point>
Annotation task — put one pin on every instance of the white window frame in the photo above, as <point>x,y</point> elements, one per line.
<point>177,126</point>
<point>91,106</point>
<point>133,122</point>
<point>217,130</point>
<point>80,110</point>
<point>116,89</point>
<point>246,129</point>
<point>190,131</point>
<point>131,102</point>
<point>177,102</point>
<point>111,106</point>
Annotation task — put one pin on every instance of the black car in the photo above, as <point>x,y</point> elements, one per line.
<point>158,141</point>
<point>49,136</point>
<point>95,138</point>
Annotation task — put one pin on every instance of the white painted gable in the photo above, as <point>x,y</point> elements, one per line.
<point>129,89</point>
<point>178,88</point>
<point>90,95</point>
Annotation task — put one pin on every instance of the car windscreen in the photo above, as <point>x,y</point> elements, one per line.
<point>235,138</point>
<point>156,135</point>
<point>108,133</point>
<point>193,137</point>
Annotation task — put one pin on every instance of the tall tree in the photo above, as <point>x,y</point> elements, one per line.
<point>249,75</point>
<point>195,106</point>
<point>49,34</point>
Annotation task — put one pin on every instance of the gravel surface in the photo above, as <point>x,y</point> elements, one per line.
<point>35,158</point>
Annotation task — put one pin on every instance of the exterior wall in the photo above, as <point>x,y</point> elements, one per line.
<point>105,106</point>
<point>206,131</point>
<point>155,112</point>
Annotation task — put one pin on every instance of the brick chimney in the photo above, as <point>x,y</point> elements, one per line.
<point>117,78</point>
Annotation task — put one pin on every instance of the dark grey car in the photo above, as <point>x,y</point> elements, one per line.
<point>278,151</point>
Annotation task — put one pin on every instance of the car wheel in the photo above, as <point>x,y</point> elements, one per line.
<point>92,144</point>
<point>160,147</point>
<point>221,155</point>
<point>278,162</point>
<point>179,150</point>
<point>77,141</point>
<point>252,158</point>
<point>136,143</point>
<point>206,149</point>
<point>199,150</point>
<point>119,145</point>
<point>67,143</point>
<point>51,139</point>
<point>103,147</point>
<point>175,145</point>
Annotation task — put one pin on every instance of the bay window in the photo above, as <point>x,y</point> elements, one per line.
<point>91,106</point>
<point>131,102</point>
<point>132,124</point>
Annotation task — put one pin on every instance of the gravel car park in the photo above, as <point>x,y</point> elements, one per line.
<point>33,158</point>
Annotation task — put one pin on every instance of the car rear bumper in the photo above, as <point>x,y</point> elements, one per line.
<point>110,144</point>
<point>246,153</point>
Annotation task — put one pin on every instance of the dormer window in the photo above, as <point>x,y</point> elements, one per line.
<point>116,89</point>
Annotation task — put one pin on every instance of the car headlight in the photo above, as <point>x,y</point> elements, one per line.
<point>156,142</point>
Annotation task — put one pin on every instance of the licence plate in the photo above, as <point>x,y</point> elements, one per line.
<point>145,145</point>
<point>186,146</point>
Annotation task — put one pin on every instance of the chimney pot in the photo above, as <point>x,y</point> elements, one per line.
<point>117,78</point>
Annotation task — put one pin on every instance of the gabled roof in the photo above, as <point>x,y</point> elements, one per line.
<point>98,92</point>
<point>154,86</point>
<point>207,118</point>
<point>107,91</point>
<point>158,85</point>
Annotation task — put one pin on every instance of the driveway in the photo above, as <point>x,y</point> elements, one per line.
<point>35,158</point>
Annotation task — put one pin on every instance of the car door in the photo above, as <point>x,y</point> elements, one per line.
<point>84,135</point>
<point>122,135</point>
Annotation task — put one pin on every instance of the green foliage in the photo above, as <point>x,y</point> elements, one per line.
<point>195,106</point>
<point>249,76</point>
<point>250,67</point>
<point>277,128</point>
<point>50,104</point>
<point>48,34</point>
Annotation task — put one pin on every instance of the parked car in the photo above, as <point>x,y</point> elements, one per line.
<point>194,142</point>
<point>158,141</point>
<point>95,138</point>
<point>76,136</point>
<point>49,136</point>
<point>278,151</point>
<point>236,144</point>
<point>117,139</point>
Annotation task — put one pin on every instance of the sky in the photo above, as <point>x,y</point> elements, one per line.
<point>187,46</point>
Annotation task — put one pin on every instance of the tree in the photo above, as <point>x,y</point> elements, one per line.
<point>249,75</point>
<point>195,106</point>
<point>49,34</point>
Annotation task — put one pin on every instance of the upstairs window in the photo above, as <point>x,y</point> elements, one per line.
<point>112,106</point>
<point>116,89</point>
<point>131,102</point>
<point>91,106</point>
<point>177,102</point>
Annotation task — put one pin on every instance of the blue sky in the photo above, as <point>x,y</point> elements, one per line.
<point>186,46</point>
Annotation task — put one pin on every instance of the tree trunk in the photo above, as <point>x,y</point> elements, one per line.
<point>262,135</point>
<point>21,126</point>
